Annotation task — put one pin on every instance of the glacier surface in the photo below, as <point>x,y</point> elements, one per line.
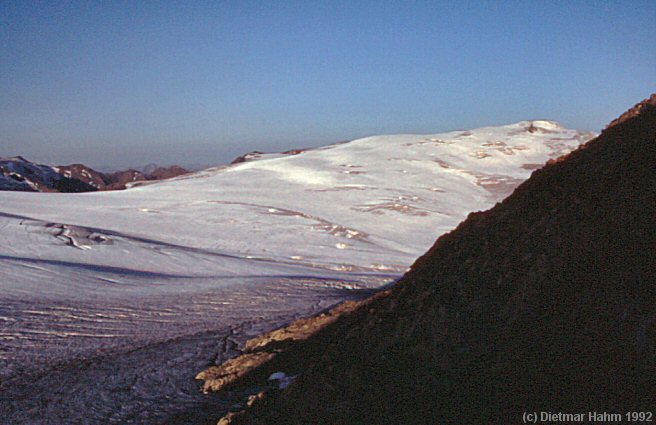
<point>110,302</point>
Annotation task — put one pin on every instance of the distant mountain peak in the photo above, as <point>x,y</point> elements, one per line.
<point>20,174</point>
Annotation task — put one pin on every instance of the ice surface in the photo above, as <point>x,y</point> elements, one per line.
<point>110,302</point>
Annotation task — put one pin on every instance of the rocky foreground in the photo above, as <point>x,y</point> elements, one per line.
<point>544,302</point>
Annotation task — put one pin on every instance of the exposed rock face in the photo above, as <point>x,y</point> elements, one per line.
<point>161,173</point>
<point>85,174</point>
<point>120,179</point>
<point>547,302</point>
<point>255,363</point>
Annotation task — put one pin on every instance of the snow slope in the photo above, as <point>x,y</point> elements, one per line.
<point>89,274</point>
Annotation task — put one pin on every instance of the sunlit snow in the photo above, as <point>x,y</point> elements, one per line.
<point>237,247</point>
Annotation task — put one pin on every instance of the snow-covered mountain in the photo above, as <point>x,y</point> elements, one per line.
<point>19,174</point>
<point>103,272</point>
<point>370,204</point>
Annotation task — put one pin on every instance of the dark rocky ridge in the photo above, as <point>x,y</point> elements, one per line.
<point>120,179</point>
<point>544,303</point>
<point>636,110</point>
<point>85,175</point>
<point>161,173</point>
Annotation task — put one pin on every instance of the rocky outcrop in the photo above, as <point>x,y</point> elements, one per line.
<point>263,368</point>
<point>544,303</point>
<point>85,174</point>
<point>258,358</point>
<point>254,155</point>
<point>161,173</point>
<point>247,157</point>
<point>121,179</point>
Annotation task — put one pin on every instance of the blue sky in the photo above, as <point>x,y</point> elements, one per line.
<point>119,83</point>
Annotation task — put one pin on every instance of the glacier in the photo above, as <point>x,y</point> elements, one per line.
<point>110,302</point>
